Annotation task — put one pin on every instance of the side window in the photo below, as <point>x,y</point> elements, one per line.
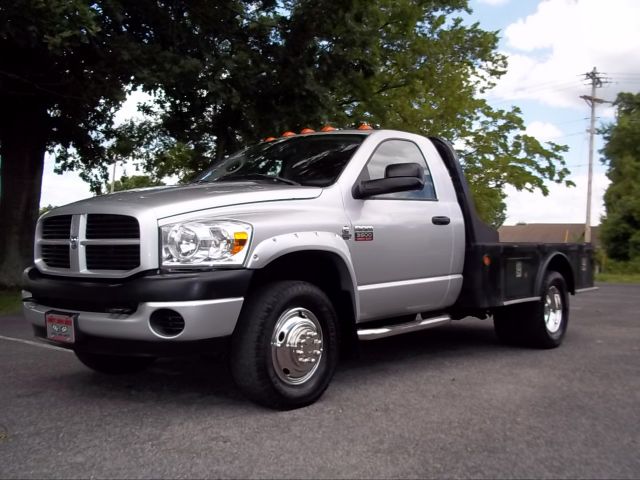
<point>399,151</point>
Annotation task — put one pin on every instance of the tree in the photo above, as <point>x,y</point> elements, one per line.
<point>621,225</point>
<point>230,72</point>
<point>66,67</point>
<point>45,209</point>
<point>402,64</point>
<point>135,181</point>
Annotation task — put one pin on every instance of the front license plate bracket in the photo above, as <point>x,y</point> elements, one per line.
<point>61,326</point>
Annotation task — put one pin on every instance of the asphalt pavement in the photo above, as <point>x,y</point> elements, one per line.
<point>445,403</point>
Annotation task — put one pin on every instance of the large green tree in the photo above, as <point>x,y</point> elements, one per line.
<point>405,64</point>
<point>66,66</point>
<point>229,72</point>
<point>621,226</point>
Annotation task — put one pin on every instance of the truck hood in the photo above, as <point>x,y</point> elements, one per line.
<point>164,202</point>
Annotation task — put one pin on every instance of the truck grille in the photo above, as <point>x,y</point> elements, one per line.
<point>56,228</point>
<point>113,257</point>
<point>56,256</point>
<point>112,226</point>
<point>108,242</point>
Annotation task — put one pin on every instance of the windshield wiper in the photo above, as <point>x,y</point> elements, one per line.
<point>258,176</point>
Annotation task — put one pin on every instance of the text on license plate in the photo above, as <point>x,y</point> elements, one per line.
<point>60,326</point>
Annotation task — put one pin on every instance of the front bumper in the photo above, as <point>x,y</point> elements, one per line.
<point>112,314</point>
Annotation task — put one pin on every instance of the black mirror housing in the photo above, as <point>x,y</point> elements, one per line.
<point>399,177</point>
<point>404,170</point>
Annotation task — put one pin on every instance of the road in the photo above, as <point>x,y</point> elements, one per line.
<point>449,402</point>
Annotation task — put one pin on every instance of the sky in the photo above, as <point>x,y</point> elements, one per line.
<point>550,45</point>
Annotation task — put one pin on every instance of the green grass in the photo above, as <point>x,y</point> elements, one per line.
<point>618,277</point>
<point>10,302</point>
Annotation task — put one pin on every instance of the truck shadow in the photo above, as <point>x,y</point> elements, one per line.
<point>468,338</point>
<point>198,378</point>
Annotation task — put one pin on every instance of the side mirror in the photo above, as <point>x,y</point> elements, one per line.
<point>398,177</point>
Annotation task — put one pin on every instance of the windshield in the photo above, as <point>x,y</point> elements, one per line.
<point>304,160</point>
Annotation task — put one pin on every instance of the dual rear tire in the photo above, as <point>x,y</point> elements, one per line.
<point>541,324</point>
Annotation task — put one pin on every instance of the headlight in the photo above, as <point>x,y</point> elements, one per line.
<point>205,243</point>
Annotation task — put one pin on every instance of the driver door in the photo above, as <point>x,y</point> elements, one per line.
<point>401,257</point>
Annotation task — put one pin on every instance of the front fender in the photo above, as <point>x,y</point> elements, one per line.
<point>275,247</point>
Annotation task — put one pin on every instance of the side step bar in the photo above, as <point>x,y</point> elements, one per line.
<point>418,324</point>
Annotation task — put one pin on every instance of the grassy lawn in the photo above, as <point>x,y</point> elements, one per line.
<point>618,277</point>
<point>10,301</point>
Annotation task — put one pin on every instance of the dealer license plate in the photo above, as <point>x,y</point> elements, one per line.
<point>61,326</point>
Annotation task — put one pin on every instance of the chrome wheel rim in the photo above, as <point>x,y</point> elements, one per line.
<point>553,309</point>
<point>296,346</point>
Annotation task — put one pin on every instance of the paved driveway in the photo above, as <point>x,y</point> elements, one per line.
<point>449,402</point>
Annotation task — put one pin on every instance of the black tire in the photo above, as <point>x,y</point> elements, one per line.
<point>526,324</point>
<point>114,364</point>
<point>253,365</point>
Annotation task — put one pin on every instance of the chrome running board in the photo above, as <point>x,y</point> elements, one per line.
<point>388,331</point>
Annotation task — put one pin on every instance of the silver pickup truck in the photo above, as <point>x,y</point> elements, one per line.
<point>286,254</point>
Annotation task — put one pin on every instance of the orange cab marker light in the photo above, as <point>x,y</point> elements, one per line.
<point>486,259</point>
<point>328,128</point>
<point>307,130</point>
<point>365,126</point>
<point>269,139</point>
<point>288,134</point>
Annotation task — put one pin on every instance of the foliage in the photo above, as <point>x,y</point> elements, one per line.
<point>408,64</point>
<point>229,72</point>
<point>44,210</point>
<point>621,226</point>
<point>67,65</point>
<point>10,301</point>
<point>618,277</point>
<point>135,181</point>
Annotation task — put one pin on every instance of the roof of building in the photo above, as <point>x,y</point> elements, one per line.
<point>547,233</point>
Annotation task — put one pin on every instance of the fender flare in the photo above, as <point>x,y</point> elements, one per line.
<point>544,268</point>
<point>275,247</point>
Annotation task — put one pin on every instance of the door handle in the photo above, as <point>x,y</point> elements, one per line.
<point>441,220</point>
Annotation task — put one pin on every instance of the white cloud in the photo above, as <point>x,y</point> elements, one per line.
<point>550,49</point>
<point>494,3</point>
<point>543,131</point>
<point>562,205</point>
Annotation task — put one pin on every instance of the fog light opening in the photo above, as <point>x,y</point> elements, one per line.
<point>166,323</point>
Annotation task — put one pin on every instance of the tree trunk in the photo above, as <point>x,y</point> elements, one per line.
<point>22,149</point>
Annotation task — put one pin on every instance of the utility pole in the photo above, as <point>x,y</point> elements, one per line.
<point>596,82</point>
<point>113,177</point>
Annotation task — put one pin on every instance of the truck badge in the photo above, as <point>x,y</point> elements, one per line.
<point>346,232</point>
<point>73,241</point>
<point>364,234</point>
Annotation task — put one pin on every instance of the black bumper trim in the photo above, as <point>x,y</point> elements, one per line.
<point>94,295</point>
<point>117,346</point>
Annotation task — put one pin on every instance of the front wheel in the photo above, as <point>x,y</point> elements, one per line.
<point>114,364</point>
<point>285,348</point>
<point>542,324</point>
